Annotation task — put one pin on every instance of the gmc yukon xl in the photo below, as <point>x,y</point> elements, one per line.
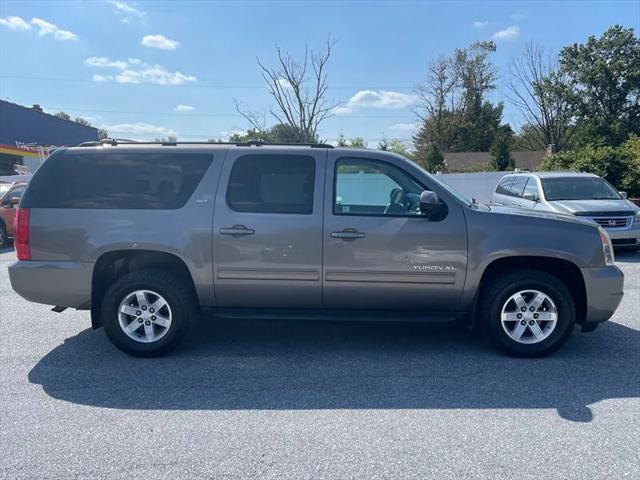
<point>146,235</point>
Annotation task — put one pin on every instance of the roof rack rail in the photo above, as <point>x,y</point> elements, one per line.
<point>114,142</point>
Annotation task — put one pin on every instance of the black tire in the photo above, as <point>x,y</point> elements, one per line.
<point>4,238</point>
<point>503,287</point>
<point>180,298</point>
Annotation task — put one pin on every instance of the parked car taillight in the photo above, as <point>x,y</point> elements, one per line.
<point>21,240</point>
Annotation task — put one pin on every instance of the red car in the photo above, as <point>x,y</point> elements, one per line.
<point>10,194</point>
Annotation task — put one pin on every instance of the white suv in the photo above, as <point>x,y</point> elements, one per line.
<point>580,194</point>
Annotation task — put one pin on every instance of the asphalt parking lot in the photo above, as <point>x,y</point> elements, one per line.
<point>315,400</point>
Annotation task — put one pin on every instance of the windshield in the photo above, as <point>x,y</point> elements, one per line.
<point>449,188</point>
<point>578,188</point>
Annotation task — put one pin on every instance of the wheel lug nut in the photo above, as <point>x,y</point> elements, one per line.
<point>144,307</point>
<point>531,322</point>
<point>153,317</point>
<point>147,322</point>
<point>535,315</point>
<point>138,312</point>
<point>519,316</point>
<point>523,322</point>
<point>524,309</point>
<point>151,310</point>
<point>532,309</point>
<point>140,320</point>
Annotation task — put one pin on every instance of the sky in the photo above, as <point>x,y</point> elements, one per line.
<point>148,69</point>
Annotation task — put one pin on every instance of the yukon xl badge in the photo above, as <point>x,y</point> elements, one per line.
<point>435,268</point>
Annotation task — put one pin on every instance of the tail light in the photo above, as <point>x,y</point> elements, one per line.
<point>21,240</point>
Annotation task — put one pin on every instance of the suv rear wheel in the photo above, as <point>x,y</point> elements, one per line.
<point>147,313</point>
<point>528,313</point>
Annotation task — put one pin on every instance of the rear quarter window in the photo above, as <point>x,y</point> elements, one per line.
<point>503,186</point>
<point>116,180</point>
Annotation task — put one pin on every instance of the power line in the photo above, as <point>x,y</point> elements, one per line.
<point>196,85</point>
<point>204,114</point>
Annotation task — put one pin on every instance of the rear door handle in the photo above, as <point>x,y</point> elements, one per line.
<point>237,231</point>
<point>348,234</point>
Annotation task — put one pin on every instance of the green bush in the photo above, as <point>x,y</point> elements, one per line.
<point>619,165</point>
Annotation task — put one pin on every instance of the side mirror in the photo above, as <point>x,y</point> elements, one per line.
<point>14,202</point>
<point>532,197</point>
<point>430,204</point>
<point>623,195</point>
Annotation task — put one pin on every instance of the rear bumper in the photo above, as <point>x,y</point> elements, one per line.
<point>64,284</point>
<point>604,287</point>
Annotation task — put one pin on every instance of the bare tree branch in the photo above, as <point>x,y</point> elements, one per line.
<point>539,90</point>
<point>299,91</point>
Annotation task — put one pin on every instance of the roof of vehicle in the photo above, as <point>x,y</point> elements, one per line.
<point>251,145</point>
<point>554,174</point>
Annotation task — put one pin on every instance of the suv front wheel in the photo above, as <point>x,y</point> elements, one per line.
<point>147,313</point>
<point>528,313</point>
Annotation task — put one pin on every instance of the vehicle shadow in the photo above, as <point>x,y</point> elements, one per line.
<point>280,365</point>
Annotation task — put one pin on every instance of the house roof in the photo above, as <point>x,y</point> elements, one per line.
<point>26,125</point>
<point>460,161</point>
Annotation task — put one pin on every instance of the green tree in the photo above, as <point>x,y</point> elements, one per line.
<point>605,75</point>
<point>395,145</point>
<point>103,133</point>
<point>433,160</point>
<point>501,159</point>
<point>358,142</point>
<point>608,162</point>
<point>341,141</point>
<point>279,133</point>
<point>168,139</point>
<point>82,121</point>
<point>454,112</point>
<point>62,115</point>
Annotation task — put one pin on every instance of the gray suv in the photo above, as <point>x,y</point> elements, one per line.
<point>582,194</point>
<point>144,236</point>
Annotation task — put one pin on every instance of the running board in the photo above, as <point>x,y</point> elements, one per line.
<point>335,315</point>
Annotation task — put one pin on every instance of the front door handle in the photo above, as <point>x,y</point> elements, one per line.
<point>348,234</point>
<point>237,231</point>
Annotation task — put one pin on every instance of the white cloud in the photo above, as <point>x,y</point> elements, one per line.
<point>235,131</point>
<point>284,83</point>
<point>376,99</point>
<point>159,41</point>
<point>104,62</point>
<point>480,24</point>
<point>15,23</point>
<point>184,108</point>
<point>134,70</point>
<point>138,129</point>
<point>508,33</point>
<point>48,28</point>
<point>155,74</point>
<point>405,127</point>
<point>126,11</point>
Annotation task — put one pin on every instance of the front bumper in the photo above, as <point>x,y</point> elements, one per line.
<point>64,284</point>
<point>605,288</point>
<point>625,237</point>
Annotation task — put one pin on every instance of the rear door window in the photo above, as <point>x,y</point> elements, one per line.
<point>116,180</point>
<point>272,184</point>
<point>517,187</point>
